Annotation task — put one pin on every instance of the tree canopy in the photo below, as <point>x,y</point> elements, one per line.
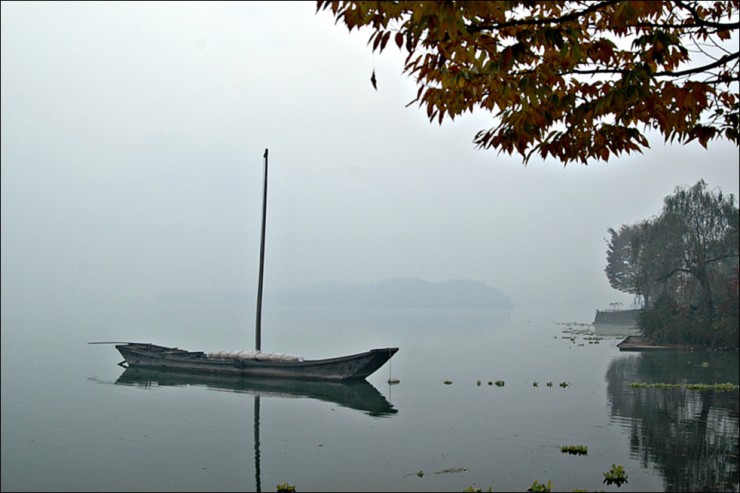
<point>573,80</point>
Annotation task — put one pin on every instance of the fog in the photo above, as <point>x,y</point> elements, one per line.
<point>132,143</point>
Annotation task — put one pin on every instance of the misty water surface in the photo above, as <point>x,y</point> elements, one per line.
<point>72,420</point>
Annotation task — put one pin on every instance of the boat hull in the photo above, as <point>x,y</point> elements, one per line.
<point>351,367</point>
<point>638,343</point>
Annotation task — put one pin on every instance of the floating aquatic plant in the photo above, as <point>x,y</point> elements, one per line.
<point>540,487</point>
<point>574,449</point>
<point>719,387</point>
<point>615,475</point>
<point>474,489</point>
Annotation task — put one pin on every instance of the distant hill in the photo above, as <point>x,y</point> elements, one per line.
<point>394,293</point>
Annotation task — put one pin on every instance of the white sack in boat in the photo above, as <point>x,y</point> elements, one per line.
<point>246,354</point>
<point>285,357</point>
<point>258,355</point>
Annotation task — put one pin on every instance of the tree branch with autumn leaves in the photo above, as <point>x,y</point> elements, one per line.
<point>571,80</point>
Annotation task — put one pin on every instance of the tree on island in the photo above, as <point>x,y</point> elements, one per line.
<point>684,263</point>
<point>574,80</point>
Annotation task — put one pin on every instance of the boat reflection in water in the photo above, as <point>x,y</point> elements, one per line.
<point>358,394</point>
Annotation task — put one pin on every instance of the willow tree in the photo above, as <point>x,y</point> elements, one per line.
<point>704,225</point>
<point>574,80</point>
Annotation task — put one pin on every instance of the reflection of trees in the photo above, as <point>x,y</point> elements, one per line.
<point>690,436</point>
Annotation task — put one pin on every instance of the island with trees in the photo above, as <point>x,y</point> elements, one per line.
<point>683,265</point>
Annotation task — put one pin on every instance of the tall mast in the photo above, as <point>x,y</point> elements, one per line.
<point>258,326</point>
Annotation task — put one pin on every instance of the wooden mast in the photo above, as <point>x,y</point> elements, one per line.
<point>258,326</point>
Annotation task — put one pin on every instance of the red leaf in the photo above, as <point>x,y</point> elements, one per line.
<point>384,42</point>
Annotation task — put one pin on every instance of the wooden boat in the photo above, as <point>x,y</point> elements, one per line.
<point>639,343</point>
<point>359,395</point>
<point>255,363</point>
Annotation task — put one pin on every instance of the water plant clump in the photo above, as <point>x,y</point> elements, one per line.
<point>474,489</point>
<point>615,475</point>
<point>500,383</point>
<point>536,486</point>
<point>719,387</point>
<point>574,449</point>
<point>285,488</point>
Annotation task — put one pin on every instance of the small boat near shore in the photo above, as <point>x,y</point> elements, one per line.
<point>639,343</point>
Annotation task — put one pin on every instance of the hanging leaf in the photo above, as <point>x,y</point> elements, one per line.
<point>374,80</point>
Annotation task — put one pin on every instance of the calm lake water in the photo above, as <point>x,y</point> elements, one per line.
<point>72,420</point>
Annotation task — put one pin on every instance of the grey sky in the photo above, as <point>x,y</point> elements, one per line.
<point>132,141</point>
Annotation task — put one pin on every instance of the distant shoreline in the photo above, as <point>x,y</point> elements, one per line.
<point>389,293</point>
